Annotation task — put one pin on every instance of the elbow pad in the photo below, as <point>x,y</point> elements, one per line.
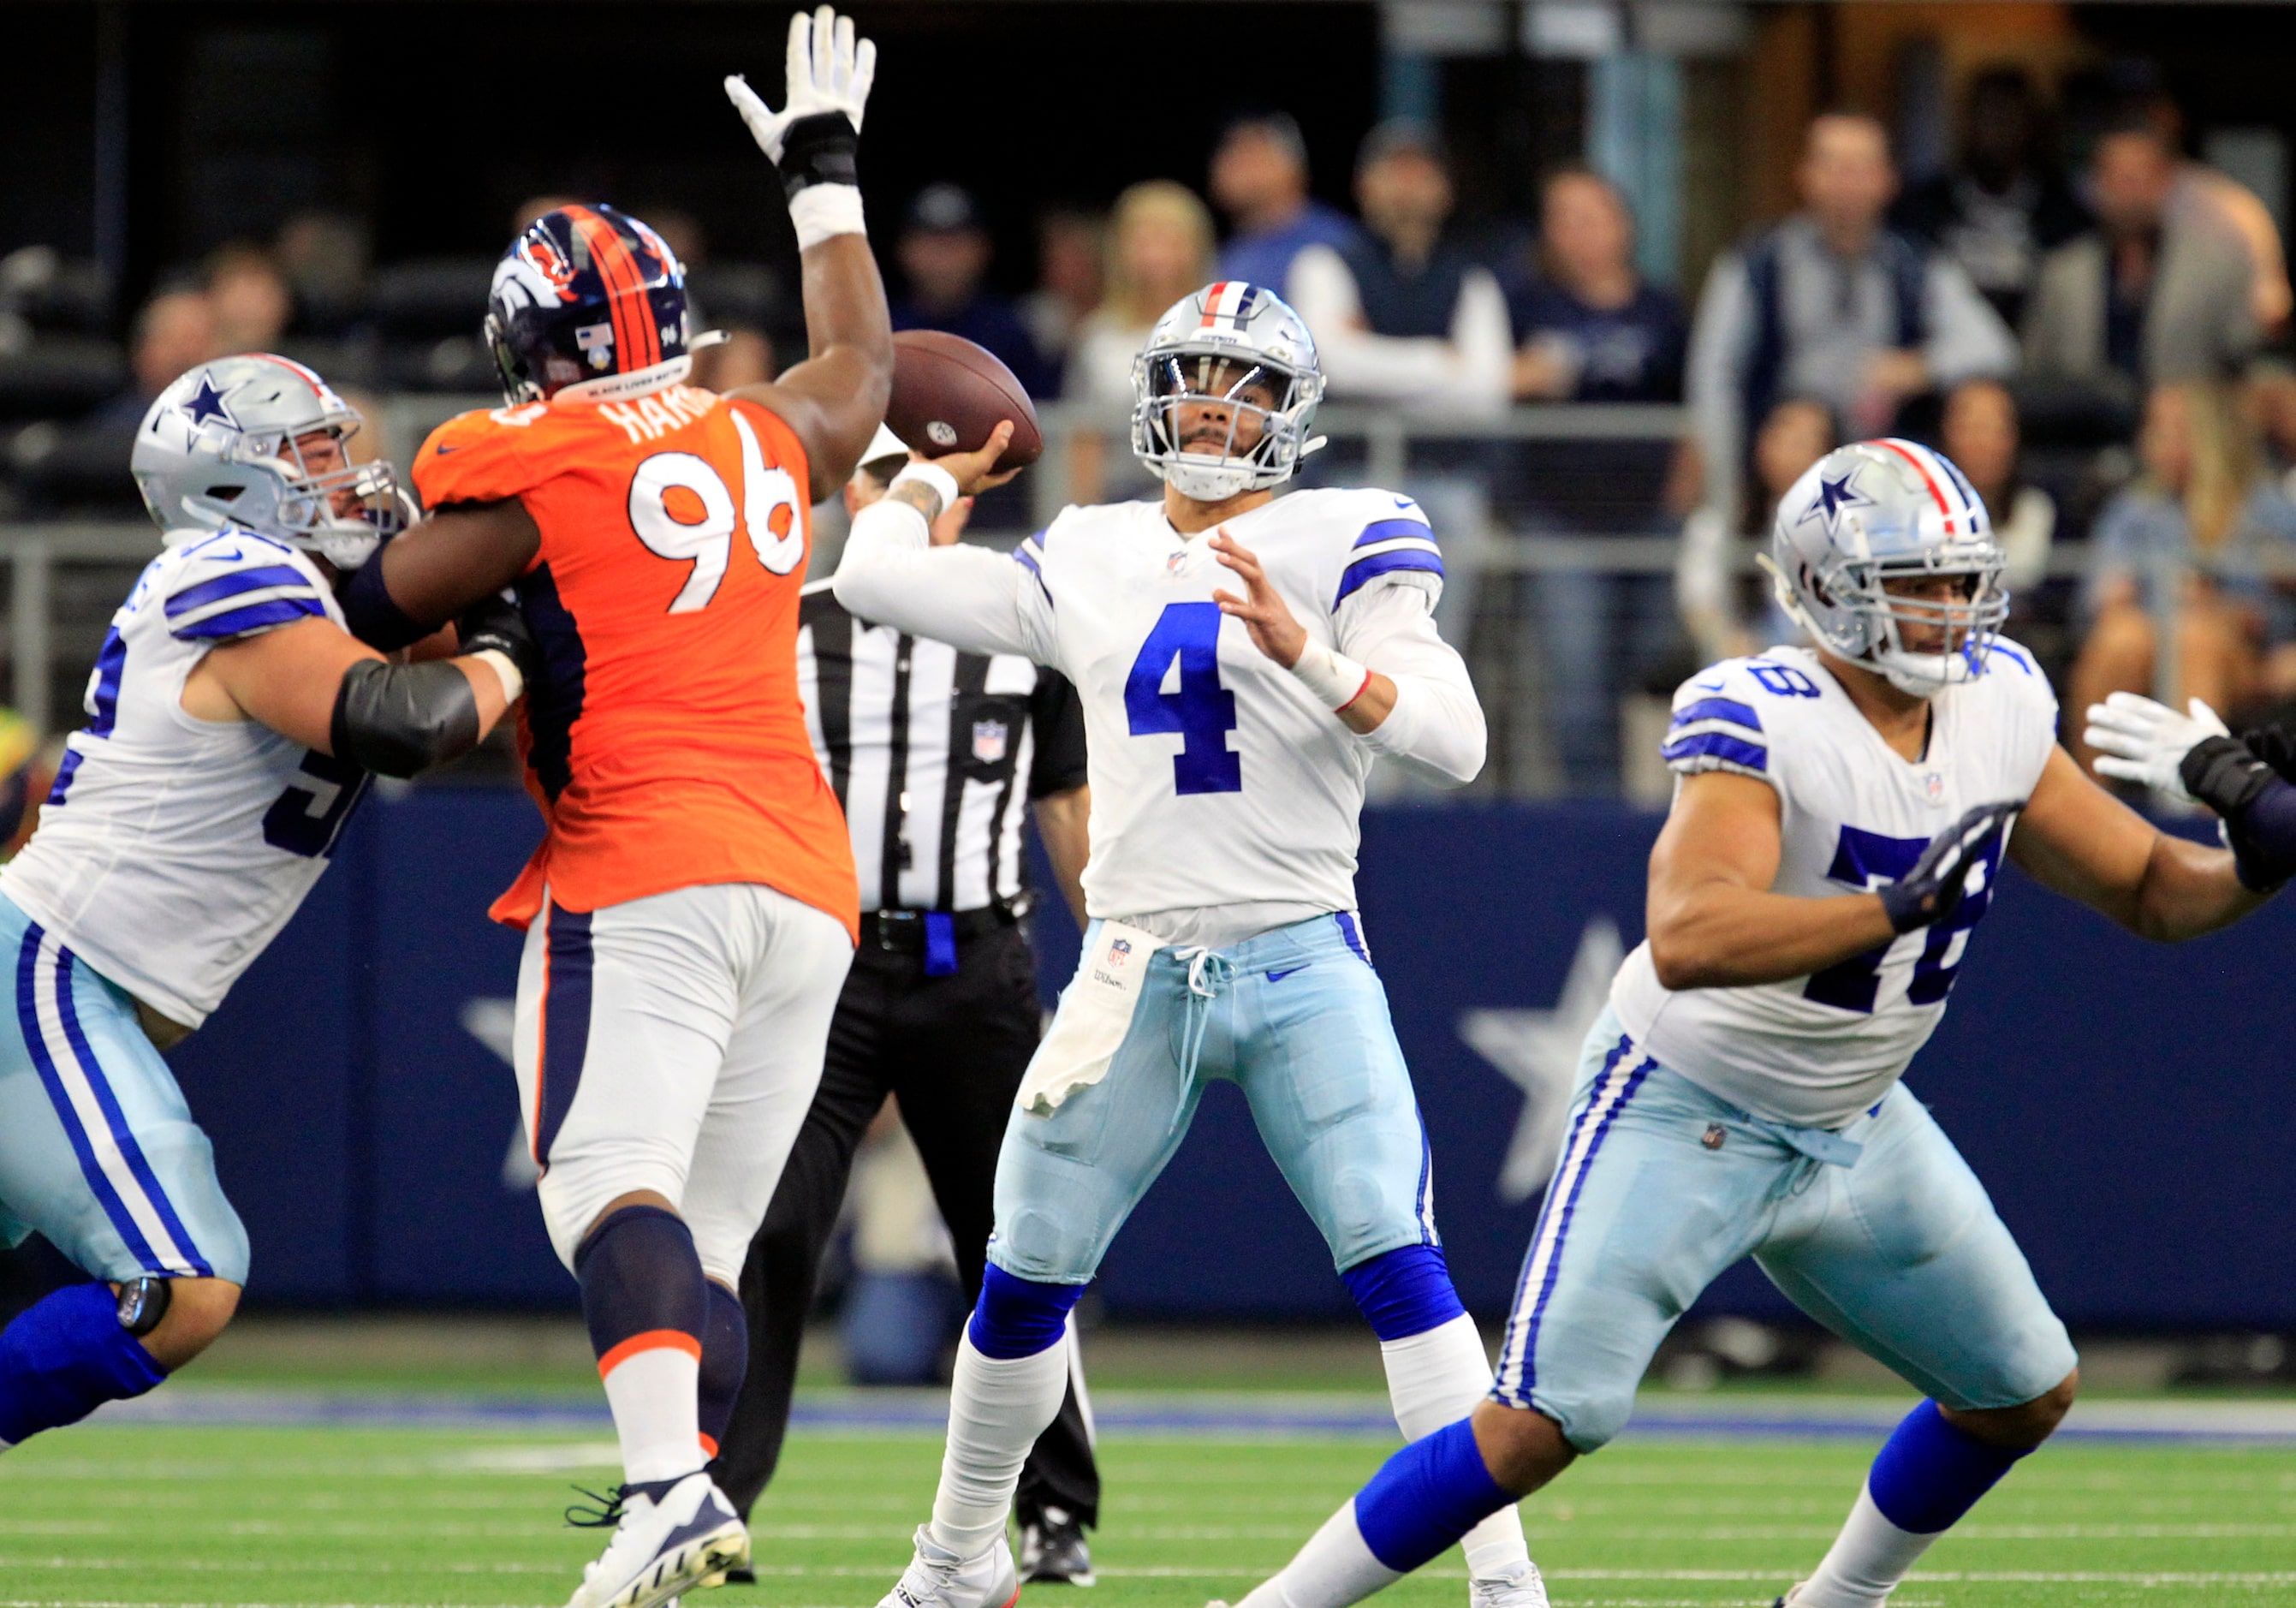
<point>395,719</point>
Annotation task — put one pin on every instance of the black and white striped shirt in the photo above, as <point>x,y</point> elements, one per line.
<point>935,755</point>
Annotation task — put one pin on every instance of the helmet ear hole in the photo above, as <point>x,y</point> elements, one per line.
<point>224,494</point>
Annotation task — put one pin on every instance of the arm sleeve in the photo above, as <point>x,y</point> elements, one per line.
<point>975,599</point>
<point>1967,338</point>
<point>1436,730</point>
<point>1716,379</point>
<point>1057,714</point>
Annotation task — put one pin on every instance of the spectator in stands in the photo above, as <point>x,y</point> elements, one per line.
<point>249,296</point>
<point>1159,249</point>
<point>2004,206</point>
<point>1399,314</point>
<point>2202,531</point>
<point>175,331</point>
<point>1980,435</point>
<point>1831,306</point>
<point>1589,329</point>
<point>1726,612</point>
<point>1071,257</point>
<point>1260,179</point>
<point>943,252</point>
<point>324,257</point>
<point>2156,293</point>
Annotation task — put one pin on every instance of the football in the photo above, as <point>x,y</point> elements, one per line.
<point>948,395</point>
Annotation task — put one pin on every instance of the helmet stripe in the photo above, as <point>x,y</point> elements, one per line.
<point>1928,478</point>
<point>636,340</point>
<point>1212,304</point>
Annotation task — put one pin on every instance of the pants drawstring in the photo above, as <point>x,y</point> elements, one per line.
<point>1208,972</point>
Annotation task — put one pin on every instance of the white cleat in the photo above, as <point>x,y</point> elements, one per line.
<point>937,1578</point>
<point>684,1542</point>
<point>1520,1587</point>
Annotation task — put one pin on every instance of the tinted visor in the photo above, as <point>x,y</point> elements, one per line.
<point>1219,378</point>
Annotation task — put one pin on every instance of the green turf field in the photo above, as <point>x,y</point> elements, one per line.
<point>171,1513</point>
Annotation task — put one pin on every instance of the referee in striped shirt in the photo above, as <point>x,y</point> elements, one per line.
<point>936,756</point>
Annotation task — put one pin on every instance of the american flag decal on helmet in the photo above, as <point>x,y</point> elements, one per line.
<point>1229,302</point>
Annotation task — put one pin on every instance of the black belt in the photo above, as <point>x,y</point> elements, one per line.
<point>905,930</point>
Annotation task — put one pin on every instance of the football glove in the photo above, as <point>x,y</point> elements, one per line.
<point>1933,889</point>
<point>2225,774</point>
<point>2139,740</point>
<point>813,138</point>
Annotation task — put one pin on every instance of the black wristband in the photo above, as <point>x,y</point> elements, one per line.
<point>2222,774</point>
<point>2275,745</point>
<point>819,149</point>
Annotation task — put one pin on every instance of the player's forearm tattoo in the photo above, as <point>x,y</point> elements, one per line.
<point>919,495</point>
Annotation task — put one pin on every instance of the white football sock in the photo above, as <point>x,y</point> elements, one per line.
<point>1869,1557</point>
<point>654,1394</point>
<point>998,1407</point>
<point>1333,1569</point>
<point>1434,1378</point>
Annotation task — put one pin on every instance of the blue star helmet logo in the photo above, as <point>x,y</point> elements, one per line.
<point>1835,495</point>
<point>207,404</point>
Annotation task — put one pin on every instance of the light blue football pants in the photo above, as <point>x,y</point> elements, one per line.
<point>1297,1019</point>
<point>98,1151</point>
<point>1892,1244</point>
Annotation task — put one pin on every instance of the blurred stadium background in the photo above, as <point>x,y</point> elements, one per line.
<point>1516,215</point>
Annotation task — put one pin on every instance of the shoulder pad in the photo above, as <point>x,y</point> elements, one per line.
<point>1386,534</point>
<point>1725,716</point>
<point>236,583</point>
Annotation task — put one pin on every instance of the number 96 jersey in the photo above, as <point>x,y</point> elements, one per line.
<point>171,849</point>
<point>664,738</point>
<point>1854,815</point>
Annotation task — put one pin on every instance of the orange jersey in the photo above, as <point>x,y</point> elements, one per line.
<point>664,739</point>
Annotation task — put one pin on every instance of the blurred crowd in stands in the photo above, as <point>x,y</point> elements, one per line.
<point>2101,346</point>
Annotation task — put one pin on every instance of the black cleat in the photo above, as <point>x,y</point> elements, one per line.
<point>1053,1550</point>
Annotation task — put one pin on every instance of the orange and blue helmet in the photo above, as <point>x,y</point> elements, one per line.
<point>590,301</point>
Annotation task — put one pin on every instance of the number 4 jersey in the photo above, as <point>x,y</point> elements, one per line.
<point>664,739</point>
<point>1853,815</point>
<point>172,849</point>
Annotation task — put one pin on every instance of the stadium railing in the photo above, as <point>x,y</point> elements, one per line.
<point>1544,491</point>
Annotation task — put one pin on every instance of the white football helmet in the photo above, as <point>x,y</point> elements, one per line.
<point>1872,512</point>
<point>1210,353</point>
<point>222,446</point>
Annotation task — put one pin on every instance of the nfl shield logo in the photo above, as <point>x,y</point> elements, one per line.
<point>1118,950</point>
<point>1173,561</point>
<point>1935,784</point>
<point>989,741</point>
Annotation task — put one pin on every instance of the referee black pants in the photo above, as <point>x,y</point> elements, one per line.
<point>952,1049</point>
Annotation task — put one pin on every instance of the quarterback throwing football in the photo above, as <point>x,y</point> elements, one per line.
<point>1240,660</point>
<point>1839,821</point>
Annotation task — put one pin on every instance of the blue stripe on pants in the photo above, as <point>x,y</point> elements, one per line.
<point>567,960</point>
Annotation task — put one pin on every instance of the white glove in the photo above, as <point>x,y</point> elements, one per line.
<point>2142,741</point>
<point>828,72</point>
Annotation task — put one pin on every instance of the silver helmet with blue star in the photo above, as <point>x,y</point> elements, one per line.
<point>1224,394</point>
<point>258,442</point>
<point>1855,538</point>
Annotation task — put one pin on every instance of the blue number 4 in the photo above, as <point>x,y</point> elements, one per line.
<point>1202,710</point>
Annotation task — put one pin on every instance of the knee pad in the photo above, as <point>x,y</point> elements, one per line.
<point>1018,1317</point>
<point>640,1279</point>
<point>1404,1292</point>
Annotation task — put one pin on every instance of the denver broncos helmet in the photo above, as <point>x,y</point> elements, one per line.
<point>589,302</point>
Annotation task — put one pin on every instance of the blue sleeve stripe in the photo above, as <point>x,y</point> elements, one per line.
<point>1027,561</point>
<point>1387,530</point>
<point>255,617</point>
<point>1378,563</point>
<point>1717,745</point>
<point>234,583</point>
<point>1719,708</point>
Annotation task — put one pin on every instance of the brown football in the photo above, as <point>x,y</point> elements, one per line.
<point>949,394</point>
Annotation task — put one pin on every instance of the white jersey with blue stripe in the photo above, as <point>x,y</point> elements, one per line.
<point>1217,779</point>
<point>1853,815</point>
<point>171,849</point>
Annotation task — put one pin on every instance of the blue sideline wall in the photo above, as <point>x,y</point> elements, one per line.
<point>2125,1103</point>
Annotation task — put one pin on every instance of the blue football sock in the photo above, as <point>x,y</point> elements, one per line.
<point>1426,1497</point>
<point>1018,1317</point>
<point>1404,1292</point>
<point>66,1357</point>
<point>725,1361</point>
<point>1928,1473</point>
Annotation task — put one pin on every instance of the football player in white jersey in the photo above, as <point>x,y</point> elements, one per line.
<point>1240,660</point>
<point>233,723</point>
<point>1842,813</point>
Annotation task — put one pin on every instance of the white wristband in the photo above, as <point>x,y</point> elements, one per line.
<point>942,482</point>
<point>819,211</point>
<point>499,662</point>
<point>1332,677</point>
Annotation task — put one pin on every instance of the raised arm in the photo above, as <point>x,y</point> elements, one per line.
<point>834,400</point>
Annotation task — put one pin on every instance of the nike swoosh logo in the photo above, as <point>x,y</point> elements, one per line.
<point>1280,976</point>
<point>1709,686</point>
<point>442,449</point>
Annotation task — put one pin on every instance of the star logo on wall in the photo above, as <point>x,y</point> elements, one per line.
<point>1538,1051</point>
